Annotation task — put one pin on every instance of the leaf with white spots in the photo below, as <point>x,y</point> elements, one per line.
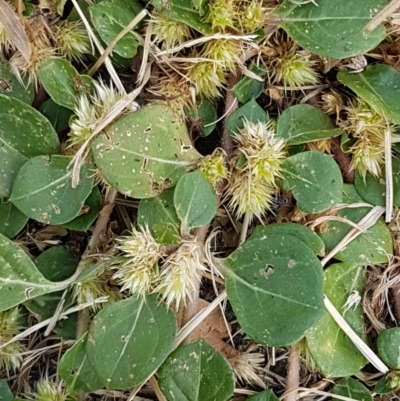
<point>315,180</point>
<point>351,389</point>
<point>274,283</point>
<point>331,349</point>
<point>129,340</point>
<point>43,190</point>
<point>24,133</point>
<point>20,280</point>
<point>145,152</point>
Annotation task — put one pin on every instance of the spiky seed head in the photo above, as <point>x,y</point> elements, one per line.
<point>332,102</point>
<point>72,39</point>
<point>247,367</point>
<point>208,77</point>
<point>181,273</point>
<point>141,252</point>
<point>252,16</point>
<point>224,52</point>
<point>89,110</point>
<point>213,168</point>
<point>168,31</point>
<point>47,390</point>
<point>221,14</point>
<point>323,145</point>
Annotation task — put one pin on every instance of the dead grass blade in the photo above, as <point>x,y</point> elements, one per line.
<point>388,176</point>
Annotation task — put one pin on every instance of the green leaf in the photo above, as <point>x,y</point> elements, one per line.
<point>267,395</point>
<point>20,280</point>
<point>387,384</point>
<point>389,347</point>
<point>378,85</point>
<point>58,116</point>
<point>333,28</point>
<point>129,340</point>
<point>43,191</point>
<point>373,190</point>
<point>184,11</point>
<point>205,115</point>
<point>303,123</point>
<point>248,88</point>
<point>331,349</point>
<point>11,86</point>
<point>160,216</point>
<point>144,152</point>
<point>84,221</point>
<point>110,18</point>
<point>63,83</point>
<point>309,237</point>
<point>5,392</point>
<point>251,111</point>
<point>274,283</point>
<point>315,180</point>
<point>352,389</point>
<point>74,368</point>
<point>24,133</point>
<point>12,221</point>
<point>196,372</point>
<point>371,247</point>
<point>195,200</point>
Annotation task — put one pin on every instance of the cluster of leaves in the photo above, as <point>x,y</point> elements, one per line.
<point>58,157</point>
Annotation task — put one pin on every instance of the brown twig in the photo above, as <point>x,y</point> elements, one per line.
<point>293,376</point>
<point>382,15</point>
<point>343,160</point>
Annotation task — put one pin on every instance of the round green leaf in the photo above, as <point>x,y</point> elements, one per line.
<point>387,384</point>
<point>248,88</point>
<point>24,133</point>
<point>206,115</point>
<point>315,180</point>
<point>303,123</point>
<point>274,283</point>
<point>389,347</point>
<point>267,395</point>
<point>309,237</point>
<point>58,116</point>
<point>332,28</point>
<point>20,280</point>
<point>371,247</point>
<point>12,221</point>
<point>110,18</point>
<point>129,340</point>
<point>195,200</point>
<point>43,191</point>
<point>352,389</point>
<point>331,349</point>
<point>160,216</point>
<point>74,368</point>
<point>11,86</point>
<point>378,85</point>
<point>144,152</point>
<point>196,372</point>
<point>63,83</point>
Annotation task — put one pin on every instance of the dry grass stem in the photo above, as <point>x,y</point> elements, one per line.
<point>386,12</point>
<point>388,176</point>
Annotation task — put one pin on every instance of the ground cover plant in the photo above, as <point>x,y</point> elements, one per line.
<point>200,200</point>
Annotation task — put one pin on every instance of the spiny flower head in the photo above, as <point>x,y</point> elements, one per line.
<point>90,109</point>
<point>332,102</point>
<point>247,366</point>
<point>169,31</point>
<point>323,145</point>
<point>72,39</point>
<point>208,77</point>
<point>263,150</point>
<point>221,14</point>
<point>141,253</point>
<point>213,168</point>
<point>47,390</point>
<point>224,52</point>
<point>10,355</point>
<point>252,16</point>
<point>181,273</point>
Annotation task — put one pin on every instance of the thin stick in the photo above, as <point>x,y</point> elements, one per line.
<point>245,227</point>
<point>111,46</point>
<point>388,176</point>
<point>382,15</point>
<point>154,383</point>
<point>293,376</point>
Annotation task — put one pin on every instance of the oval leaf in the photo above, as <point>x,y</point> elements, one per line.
<point>43,191</point>
<point>378,85</point>
<point>333,28</point>
<point>303,123</point>
<point>195,200</point>
<point>274,283</point>
<point>315,180</point>
<point>196,372</point>
<point>145,152</point>
<point>352,389</point>
<point>12,221</point>
<point>11,86</point>
<point>24,133</point>
<point>389,347</point>
<point>331,349</point>
<point>129,340</point>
